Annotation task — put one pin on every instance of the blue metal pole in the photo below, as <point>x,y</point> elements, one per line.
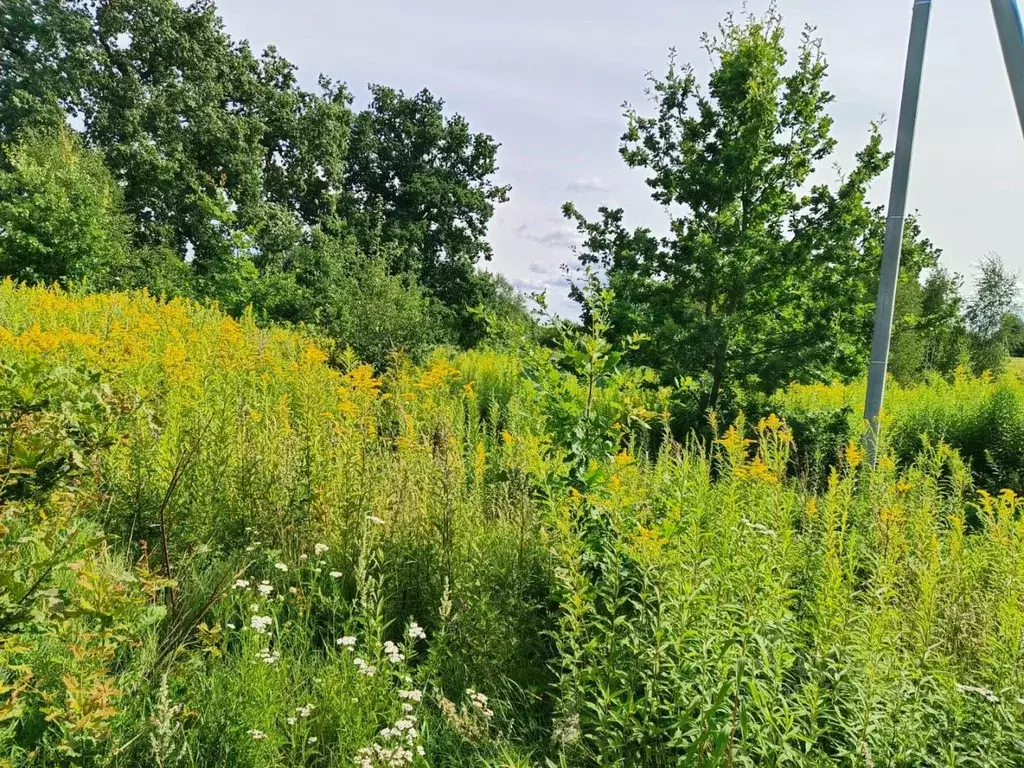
<point>894,222</point>
<point>1011,39</point>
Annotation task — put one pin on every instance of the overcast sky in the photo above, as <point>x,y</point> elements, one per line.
<point>547,80</point>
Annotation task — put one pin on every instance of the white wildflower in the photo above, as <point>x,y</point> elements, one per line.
<point>320,549</point>
<point>391,651</point>
<point>260,623</point>
<point>306,710</point>
<point>363,667</point>
<point>303,557</point>
<point>257,735</point>
<point>348,642</point>
<point>416,632</point>
<point>335,574</point>
<point>265,588</point>
<point>291,720</point>
<point>269,657</point>
<point>241,584</point>
<point>231,626</point>
<point>281,567</point>
<point>413,695</point>
<point>311,740</point>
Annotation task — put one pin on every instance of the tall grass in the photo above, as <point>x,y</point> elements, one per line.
<point>217,550</point>
<point>982,417</point>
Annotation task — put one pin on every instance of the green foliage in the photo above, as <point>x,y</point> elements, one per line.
<point>994,297</point>
<point>982,418</point>
<point>760,281</point>
<point>486,556</point>
<point>423,181</point>
<point>60,214</point>
<point>226,165</point>
<point>68,609</point>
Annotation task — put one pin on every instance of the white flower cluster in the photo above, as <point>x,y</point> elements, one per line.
<point>260,623</point>
<point>269,657</point>
<point>241,584</point>
<point>257,734</point>
<point>391,651</point>
<point>393,757</point>
<point>416,632</point>
<point>348,642</point>
<point>320,549</point>
<point>363,667</point>
<point>400,747</point>
<point>479,702</point>
<point>335,574</point>
<point>281,567</point>
<point>303,712</point>
<point>265,588</point>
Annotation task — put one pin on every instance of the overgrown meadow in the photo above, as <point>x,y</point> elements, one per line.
<point>216,549</point>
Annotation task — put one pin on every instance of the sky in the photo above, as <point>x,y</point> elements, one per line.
<point>548,80</point>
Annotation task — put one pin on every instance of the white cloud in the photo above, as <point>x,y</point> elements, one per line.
<point>588,184</point>
<point>551,235</point>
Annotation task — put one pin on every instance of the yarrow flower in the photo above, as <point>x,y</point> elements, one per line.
<point>305,711</point>
<point>416,632</point>
<point>479,701</point>
<point>265,588</point>
<point>260,623</point>
<point>241,584</point>
<point>348,642</point>
<point>335,574</point>
<point>320,549</point>
<point>413,695</point>
<point>281,567</point>
<point>394,655</point>
<point>311,740</point>
<point>291,720</point>
<point>269,657</point>
<point>257,735</point>
<point>363,667</point>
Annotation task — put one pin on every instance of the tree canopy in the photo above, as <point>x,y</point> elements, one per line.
<point>224,159</point>
<point>766,274</point>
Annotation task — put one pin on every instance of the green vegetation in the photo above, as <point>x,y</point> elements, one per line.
<point>220,551</point>
<point>285,480</point>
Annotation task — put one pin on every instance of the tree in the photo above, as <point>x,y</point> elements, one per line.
<point>995,294</point>
<point>424,182</point>
<point>227,162</point>
<point>1012,330</point>
<point>60,214</point>
<point>760,279</point>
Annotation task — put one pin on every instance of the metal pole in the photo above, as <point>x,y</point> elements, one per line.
<point>894,222</point>
<point>1011,39</point>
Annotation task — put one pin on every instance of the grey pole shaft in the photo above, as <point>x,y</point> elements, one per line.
<point>894,222</point>
<point>1011,39</point>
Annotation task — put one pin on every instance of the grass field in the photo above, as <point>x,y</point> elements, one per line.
<point>217,550</point>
